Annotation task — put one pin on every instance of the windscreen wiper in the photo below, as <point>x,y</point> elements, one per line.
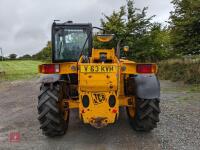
<point>88,38</point>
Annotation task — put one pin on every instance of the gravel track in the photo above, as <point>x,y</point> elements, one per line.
<point>179,126</point>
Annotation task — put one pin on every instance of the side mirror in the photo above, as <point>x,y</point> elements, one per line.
<point>126,48</point>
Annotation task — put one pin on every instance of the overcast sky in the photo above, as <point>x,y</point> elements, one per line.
<point>25,25</point>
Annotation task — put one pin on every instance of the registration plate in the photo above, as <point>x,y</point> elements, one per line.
<point>98,68</point>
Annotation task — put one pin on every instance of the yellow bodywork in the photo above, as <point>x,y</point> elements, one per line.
<point>98,81</point>
<point>98,84</point>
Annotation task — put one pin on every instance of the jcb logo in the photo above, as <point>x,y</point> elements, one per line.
<point>99,98</point>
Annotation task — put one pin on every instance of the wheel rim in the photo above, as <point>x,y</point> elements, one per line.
<point>131,111</point>
<point>65,115</point>
<point>64,111</point>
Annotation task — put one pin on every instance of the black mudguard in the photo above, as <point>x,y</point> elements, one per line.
<point>146,86</point>
<point>50,78</point>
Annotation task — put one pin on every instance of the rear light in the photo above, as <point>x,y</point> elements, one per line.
<point>146,68</point>
<point>49,68</point>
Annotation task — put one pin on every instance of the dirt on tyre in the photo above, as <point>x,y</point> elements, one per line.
<point>145,115</point>
<point>52,118</point>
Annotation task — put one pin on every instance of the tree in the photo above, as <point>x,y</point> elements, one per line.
<point>138,32</point>
<point>2,58</point>
<point>139,26</point>
<point>26,56</point>
<point>13,56</point>
<point>157,44</point>
<point>185,26</point>
<point>45,53</point>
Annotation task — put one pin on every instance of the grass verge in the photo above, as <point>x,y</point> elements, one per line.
<point>180,70</point>
<point>18,69</point>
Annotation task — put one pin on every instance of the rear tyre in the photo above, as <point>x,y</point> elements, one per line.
<point>145,115</point>
<point>53,120</point>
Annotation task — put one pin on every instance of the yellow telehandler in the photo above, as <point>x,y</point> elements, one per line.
<point>97,82</point>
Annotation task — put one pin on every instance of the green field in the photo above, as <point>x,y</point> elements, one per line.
<point>18,69</point>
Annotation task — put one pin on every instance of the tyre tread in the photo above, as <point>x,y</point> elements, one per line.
<point>50,117</point>
<point>147,114</point>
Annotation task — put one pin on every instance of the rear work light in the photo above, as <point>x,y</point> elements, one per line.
<point>146,68</point>
<point>49,68</point>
